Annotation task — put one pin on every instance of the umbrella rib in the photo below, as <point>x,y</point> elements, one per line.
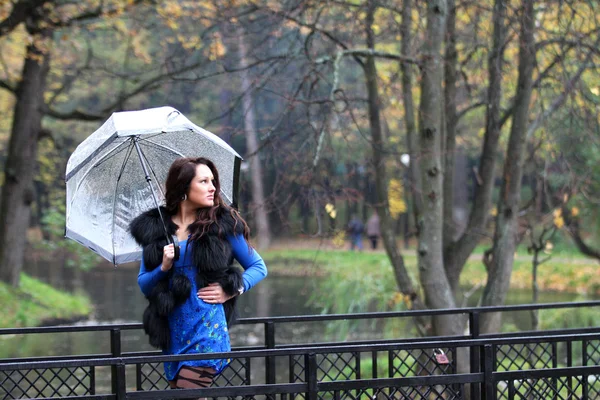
<point>155,176</point>
<point>112,153</point>
<point>130,150</point>
<point>161,147</point>
<point>108,155</point>
<point>149,165</point>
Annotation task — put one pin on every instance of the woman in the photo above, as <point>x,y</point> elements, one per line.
<point>191,299</point>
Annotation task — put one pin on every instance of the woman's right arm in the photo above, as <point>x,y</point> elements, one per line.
<point>148,279</point>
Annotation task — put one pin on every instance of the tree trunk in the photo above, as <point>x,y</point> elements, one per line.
<point>438,293</point>
<point>377,144</point>
<point>258,207</point>
<point>458,253</point>
<point>451,120</point>
<point>505,235</point>
<point>414,184</point>
<point>19,169</point>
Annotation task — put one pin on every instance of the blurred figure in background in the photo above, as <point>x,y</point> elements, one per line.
<point>355,230</point>
<point>373,229</point>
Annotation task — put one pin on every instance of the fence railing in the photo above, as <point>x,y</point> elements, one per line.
<point>557,364</point>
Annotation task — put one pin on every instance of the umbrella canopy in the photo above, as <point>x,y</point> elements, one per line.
<point>118,172</point>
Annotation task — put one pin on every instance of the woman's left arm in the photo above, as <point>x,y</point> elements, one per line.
<point>255,270</point>
<point>254,266</point>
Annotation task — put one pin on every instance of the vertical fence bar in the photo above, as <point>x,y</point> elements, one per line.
<point>115,351</point>
<point>138,376</point>
<point>570,364</point>
<point>475,355</point>
<point>374,365</point>
<point>488,369</point>
<point>555,365</point>
<point>92,380</point>
<point>391,368</point>
<point>458,388</point>
<point>121,390</point>
<point>511,390</point>
<point>248,370</point>
<point>357,369</point>
<point>584,362</point>
<point>291,368</point>
<point>310,368</point>
<point>270,360</point>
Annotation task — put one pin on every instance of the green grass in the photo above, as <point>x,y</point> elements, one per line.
<point>34,302</point>
<point>574,274</point>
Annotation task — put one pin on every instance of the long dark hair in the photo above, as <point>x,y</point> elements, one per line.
<point>180,176</point>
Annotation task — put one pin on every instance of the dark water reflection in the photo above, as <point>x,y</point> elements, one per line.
<point>117,299</point>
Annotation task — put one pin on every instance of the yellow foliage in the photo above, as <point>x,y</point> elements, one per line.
<point>330,209</point>
<point>339,239</point>
<point>216,49</point>
<point>494,211</point>
<point>396,198</point>
<point>407,301</point>
<point>305,30</point>
<point>574,211</point>
<point>140,51</point>
<point>193,42</point>
<point>121,26</point>
<point>170,9</point>
<point>558,219</point>
<point>396,299</point>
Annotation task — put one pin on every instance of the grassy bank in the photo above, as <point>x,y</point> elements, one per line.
<point>569,274</point>
<point>364,282</point>
<point>35,303</point>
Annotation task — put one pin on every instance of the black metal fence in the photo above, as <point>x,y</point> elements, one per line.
<point>558,364</point>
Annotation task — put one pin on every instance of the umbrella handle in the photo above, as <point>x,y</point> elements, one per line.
<point>176,247</point>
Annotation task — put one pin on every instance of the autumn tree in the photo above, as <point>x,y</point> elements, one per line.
<point>462,85</point>
<point>55,27</point>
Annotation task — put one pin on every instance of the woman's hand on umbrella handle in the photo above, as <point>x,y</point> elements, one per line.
<point>213,294</point>
<point>168,255</point>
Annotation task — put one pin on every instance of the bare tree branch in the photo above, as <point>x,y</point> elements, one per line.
<point>7,86</point>
<point>313,27</point>
<point>368,53</point>
<point>563,96</point>
<point>572,225</point>
<point>470,108</point>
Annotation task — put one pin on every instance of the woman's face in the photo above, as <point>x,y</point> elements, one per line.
<point>202,189</point>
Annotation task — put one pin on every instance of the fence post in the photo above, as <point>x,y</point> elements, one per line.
<point>310,363</point>
<point>488,369</point>
<point>270,360</point>
<point>475,353</point>
<point>121,390</point>
<point>570,364</point>
<point>555,365</point>
<point>115,351</point>
<point>584,361</point>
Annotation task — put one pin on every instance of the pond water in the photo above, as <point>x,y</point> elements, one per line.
<point>117,299</point>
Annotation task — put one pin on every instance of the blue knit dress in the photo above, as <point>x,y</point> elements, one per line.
<point>197,326</point>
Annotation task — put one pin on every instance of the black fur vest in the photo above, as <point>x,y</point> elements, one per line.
<point>211,255</point>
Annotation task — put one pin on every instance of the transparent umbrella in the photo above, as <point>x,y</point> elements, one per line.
<point>118,171</point>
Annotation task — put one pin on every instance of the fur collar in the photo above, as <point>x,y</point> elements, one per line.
<point>148,231</point>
